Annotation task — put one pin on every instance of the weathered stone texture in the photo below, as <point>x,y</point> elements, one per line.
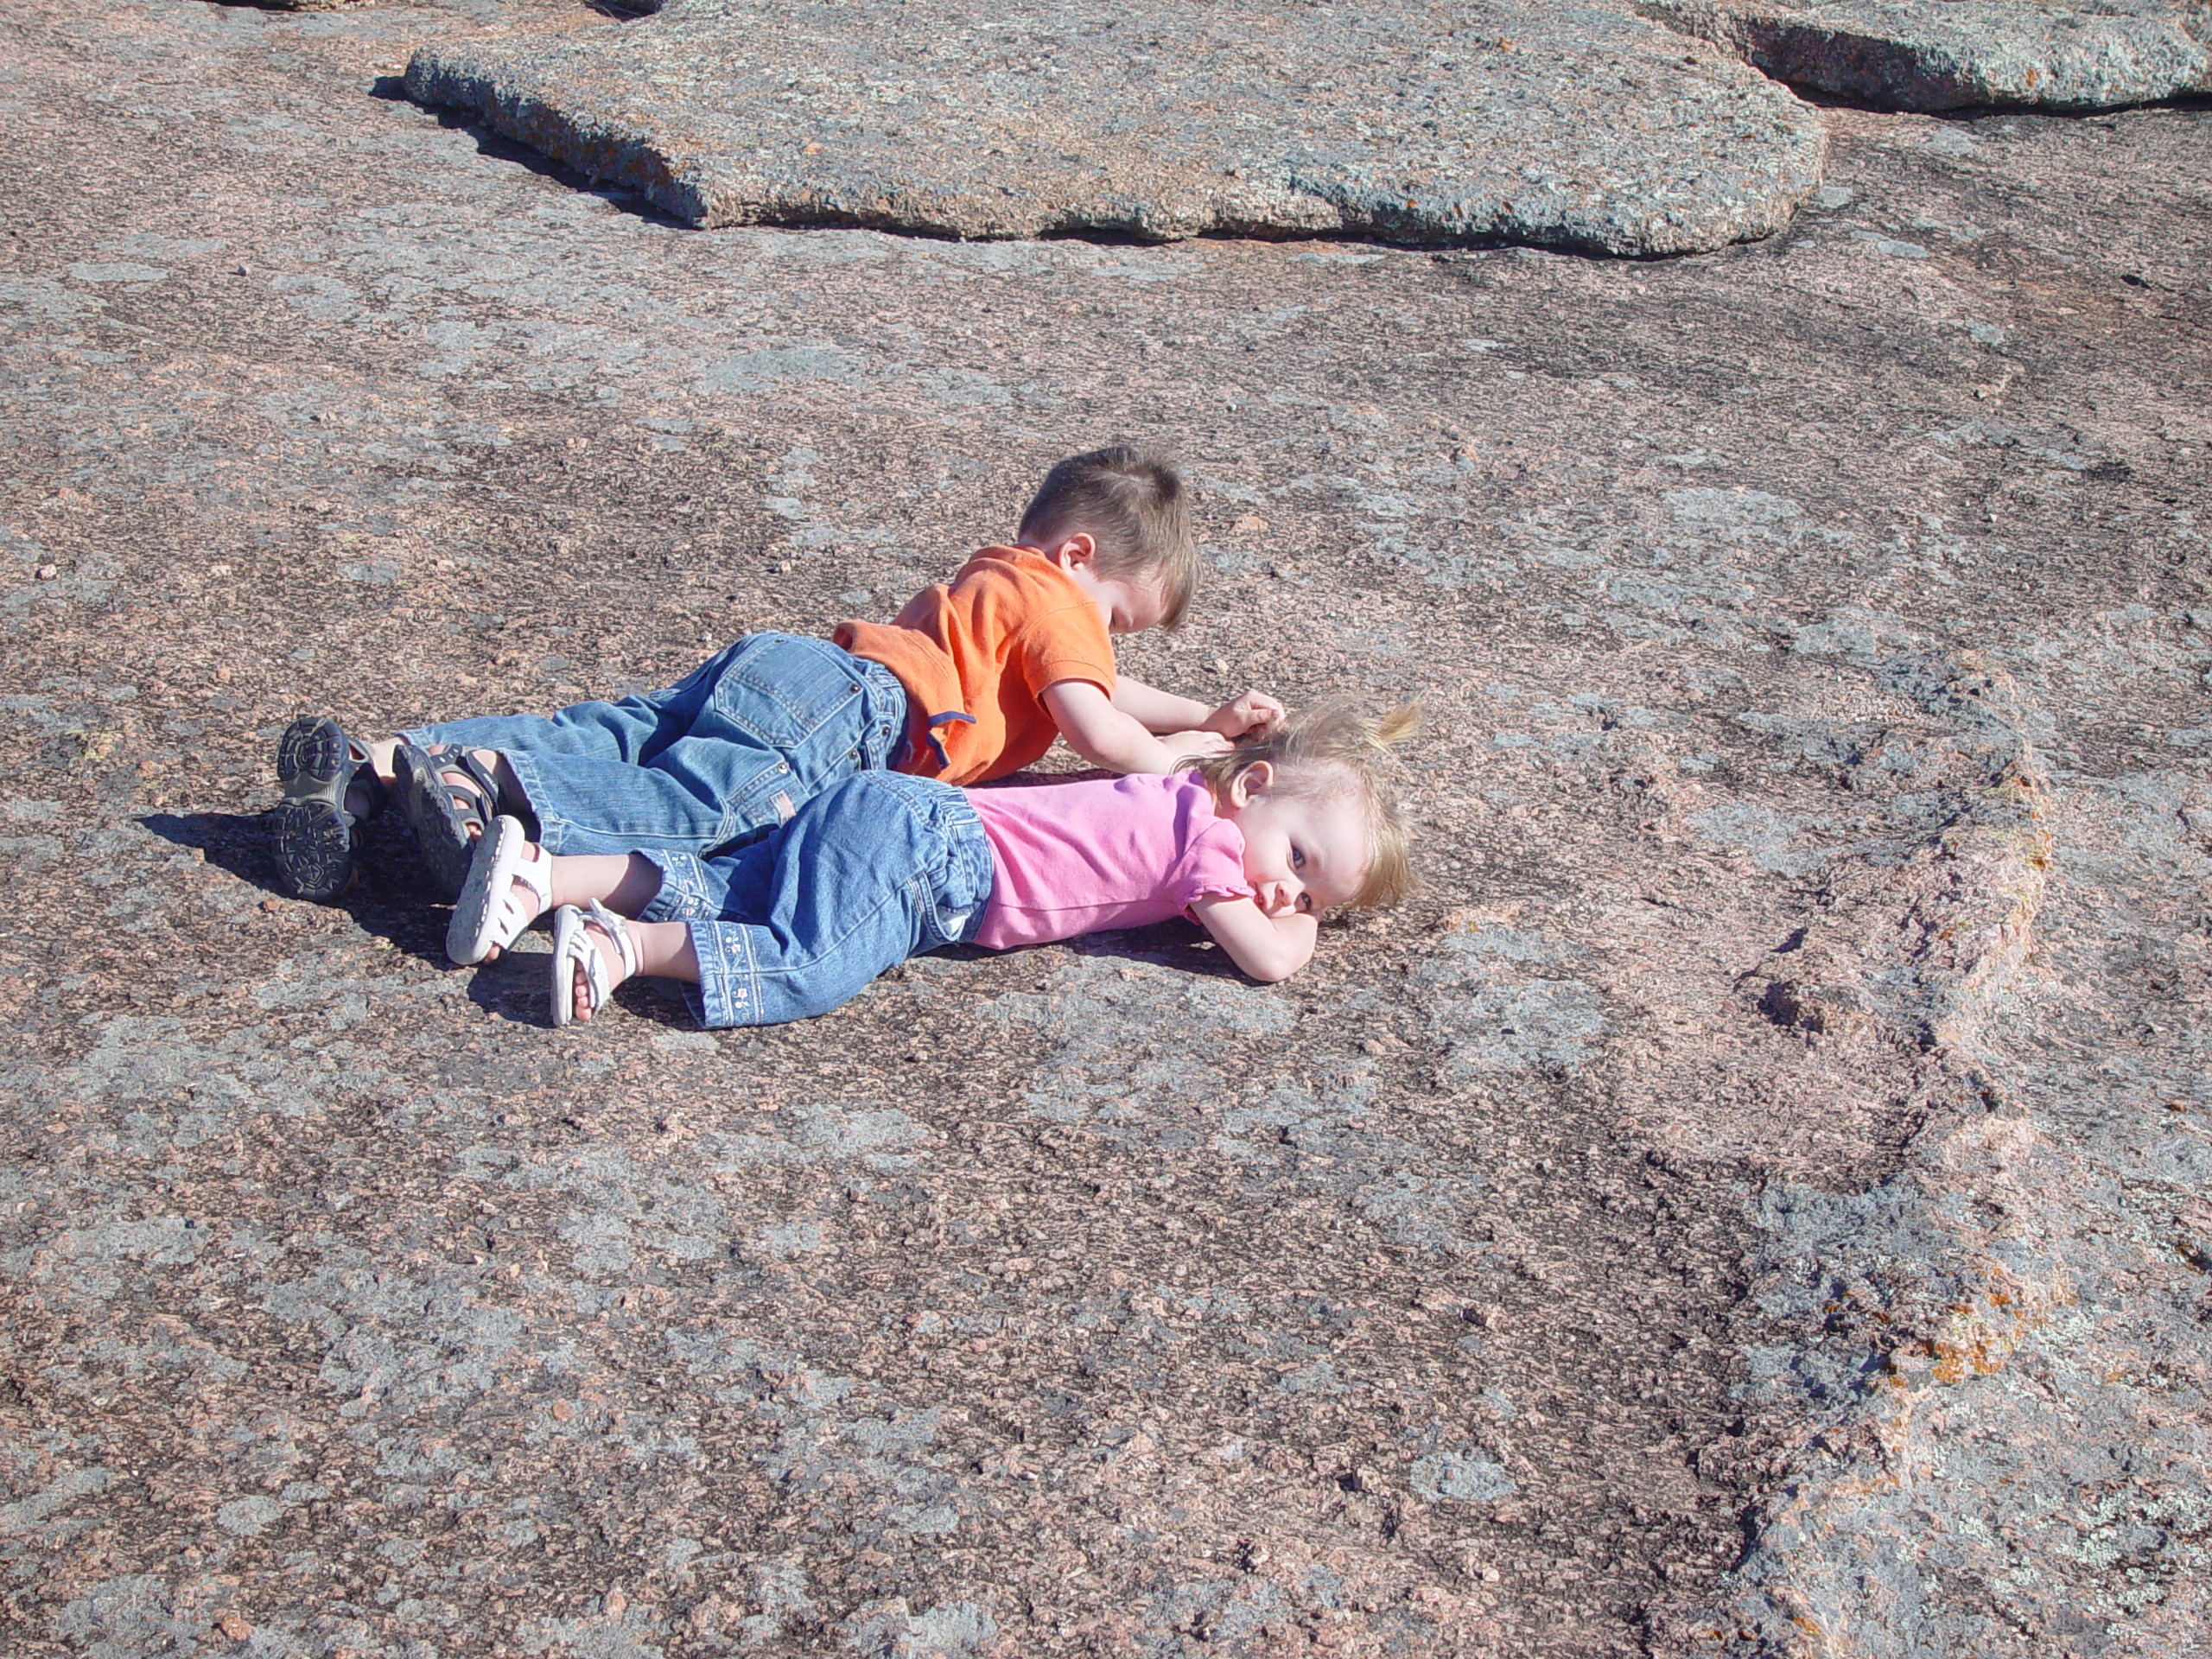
<point>1585,129</point>
<point>1785,1103</point>
<point>1931,54</point>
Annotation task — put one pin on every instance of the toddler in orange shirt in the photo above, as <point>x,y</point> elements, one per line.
<point>972,681</point>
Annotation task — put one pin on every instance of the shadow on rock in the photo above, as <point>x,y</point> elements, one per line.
<point>1184,946</point>
<point>516,988</point>
<point>499,147</point>
<point>389,898</point>
<point>232,841</point>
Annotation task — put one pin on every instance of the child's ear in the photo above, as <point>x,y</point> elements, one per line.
<point>1255,780</point>
<point>1072,550</point>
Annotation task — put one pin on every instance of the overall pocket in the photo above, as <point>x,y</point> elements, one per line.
<point>783,689</point>
<point>964,872</point>
<point>767,799</point>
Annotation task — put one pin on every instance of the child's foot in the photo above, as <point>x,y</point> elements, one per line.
<point>510,885</point>
<point>330,788</point>
<point>449,797</point>
<point>593,953</point>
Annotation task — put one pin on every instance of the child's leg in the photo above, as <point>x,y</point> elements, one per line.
<point>784,717</point>
<point>764,726</point>
<point>868,874</point>
<point>314,845</point>
<point>449,806</point>
<point>595,950</point>
<point>626,884</point>
<point>626,729</point>
<point>609,885</point>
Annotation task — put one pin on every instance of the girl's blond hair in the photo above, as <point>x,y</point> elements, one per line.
<point>1328,749</point>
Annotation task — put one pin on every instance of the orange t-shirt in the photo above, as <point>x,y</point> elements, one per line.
<point>976,655</point>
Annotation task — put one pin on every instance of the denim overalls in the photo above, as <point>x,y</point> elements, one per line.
<point>733,749</point>
<point>876,869</point>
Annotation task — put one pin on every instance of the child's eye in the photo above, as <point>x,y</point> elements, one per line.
<point>1297,858</point>
<point>1305,903</point>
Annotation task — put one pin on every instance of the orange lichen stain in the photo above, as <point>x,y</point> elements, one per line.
<point>1955,1361</point>
<point>1981,1334</point>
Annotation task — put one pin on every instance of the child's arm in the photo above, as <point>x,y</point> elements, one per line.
<point>1254,714</point>
<point>1267,947</point>
<point>1105,736</point>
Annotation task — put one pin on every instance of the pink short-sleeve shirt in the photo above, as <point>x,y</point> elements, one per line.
<point>1121,852</point>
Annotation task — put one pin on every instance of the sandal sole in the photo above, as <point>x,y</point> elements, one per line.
<point>312,845</point>
<point>473,933</point>
<point>569,940</point>
<point>312,838</point>
<point>440,833</point>
<point>312,757</point>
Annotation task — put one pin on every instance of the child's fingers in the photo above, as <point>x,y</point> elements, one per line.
<point>1261,712</point>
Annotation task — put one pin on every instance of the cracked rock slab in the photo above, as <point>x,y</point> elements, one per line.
<point>1951,54</point>
<point>1592,129</point>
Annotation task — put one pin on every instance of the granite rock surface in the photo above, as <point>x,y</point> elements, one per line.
<point>1912,54</point>
<point>1750,1203</point>
<point>1587,128</point>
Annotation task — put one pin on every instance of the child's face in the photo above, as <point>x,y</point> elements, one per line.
<point>1129,603</point>
<point>1302,855</point>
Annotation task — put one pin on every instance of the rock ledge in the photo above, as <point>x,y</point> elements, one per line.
<point>1595,131</point>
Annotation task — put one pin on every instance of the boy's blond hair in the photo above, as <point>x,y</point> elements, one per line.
<point>1133,504</point>
<point>1325,751</point>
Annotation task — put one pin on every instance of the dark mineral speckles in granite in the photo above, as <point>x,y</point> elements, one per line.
<point>1752,1201</point>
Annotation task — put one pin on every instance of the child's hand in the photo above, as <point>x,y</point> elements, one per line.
<point>1251,716</point>
<point>1195,746</point>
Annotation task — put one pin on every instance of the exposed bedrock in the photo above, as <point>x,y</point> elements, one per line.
<point>1752,1198</point>
<point>1586,129</point>
<point>1980,1347</point>
<point>1919,55</point>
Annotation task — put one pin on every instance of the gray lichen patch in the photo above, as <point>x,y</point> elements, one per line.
<point>1592,129</point>
<point>1912,54</point>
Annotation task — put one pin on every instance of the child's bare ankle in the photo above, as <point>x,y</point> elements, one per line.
<point>384,753</point>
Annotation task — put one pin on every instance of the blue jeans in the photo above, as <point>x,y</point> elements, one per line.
<point>872,871</point>
<point>729,752</point>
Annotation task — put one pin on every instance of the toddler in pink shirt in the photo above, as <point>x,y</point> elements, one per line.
<point>1069,858</point>
<point>1254,845</point>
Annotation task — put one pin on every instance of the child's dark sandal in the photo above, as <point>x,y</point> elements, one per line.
<point>446,828</point>
<point>313,839</point>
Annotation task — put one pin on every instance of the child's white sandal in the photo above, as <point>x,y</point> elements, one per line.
<point>573,948</point>
<point>491,912</point>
